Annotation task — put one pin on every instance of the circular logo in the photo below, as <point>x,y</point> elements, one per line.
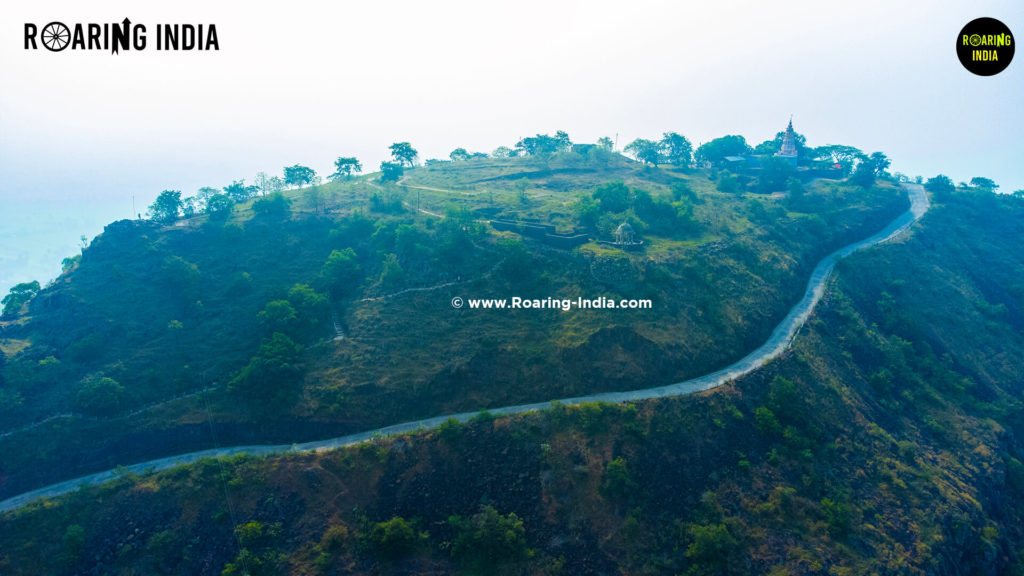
<point>56,36</point>
<point>985,46</point>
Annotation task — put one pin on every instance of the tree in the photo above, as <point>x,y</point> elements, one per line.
<point>395,537</point>
<point>344,166</point>
<point>646,151</point>
<point>863,175</point>
<point>298,175</point>
<point>613,196</point>
<point>940,186</point>
<point>617,483</point>
<point>501,152</point>
<point>341,272</point>
<point>879,162</point>
<point>522,185</point>
<point>543,144</point>
<point>166,207</point>
<point>716,150</point>
<point>189,206</point>
<point>984,184</point>
<point>18,296</point>
<point>99,397</point>
<point>459,154</point>
<point>239,192</point>
<point>272,374</point>
<point>842,157</point>
<point>219,207</point>
<point>404,153</point>
<point>728,183</point>
<point>391,273</point>
<point>276,184</point>
<point>391,171</point>
<point>205,193</point>
<point>262,183</point>
<point>273,207</point>
<point>775,172</point>
<point>606,143</point>
<point>488,538</point>
<point>678,150</point>
<point>278,316</point>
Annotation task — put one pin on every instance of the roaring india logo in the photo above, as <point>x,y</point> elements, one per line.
<point>985,46</point>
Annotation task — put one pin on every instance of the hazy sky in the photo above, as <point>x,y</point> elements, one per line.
<point>82,132</point>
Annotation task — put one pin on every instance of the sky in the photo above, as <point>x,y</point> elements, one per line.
<point>83,133</point>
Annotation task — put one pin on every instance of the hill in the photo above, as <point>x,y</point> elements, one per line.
<point>328,310</point>
<point>885,441</point>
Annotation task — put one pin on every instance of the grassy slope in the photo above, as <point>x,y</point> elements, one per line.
<point>718,291</point>
<point>895,450</point>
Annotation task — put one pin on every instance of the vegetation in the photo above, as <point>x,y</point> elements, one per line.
<point>324,310</point>
<point>883,442</point>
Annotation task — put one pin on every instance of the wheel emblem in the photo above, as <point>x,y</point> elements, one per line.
<point>56,36</point>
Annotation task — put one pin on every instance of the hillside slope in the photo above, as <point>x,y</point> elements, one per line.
<point>166,312</point>
<point>886,442</point>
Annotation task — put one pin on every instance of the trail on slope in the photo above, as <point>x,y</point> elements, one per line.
<point>776,344</point>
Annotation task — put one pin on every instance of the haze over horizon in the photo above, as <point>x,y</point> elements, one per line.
<point>81,133</point>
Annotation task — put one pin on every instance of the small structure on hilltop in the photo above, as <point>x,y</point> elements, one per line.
<point>788,150</point>
<point>624,234</point>
<point>625,238</point>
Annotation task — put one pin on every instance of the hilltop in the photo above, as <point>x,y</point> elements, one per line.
<point>326,310</point>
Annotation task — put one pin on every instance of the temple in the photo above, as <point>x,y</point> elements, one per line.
<point>788,150</point>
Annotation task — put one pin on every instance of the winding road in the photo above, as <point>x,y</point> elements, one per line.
<point>777,343</point>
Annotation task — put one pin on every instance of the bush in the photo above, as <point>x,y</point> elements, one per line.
<point>272,207</point>
<point>395,537</point>
<point>488,538</point>
<point>100,397</point>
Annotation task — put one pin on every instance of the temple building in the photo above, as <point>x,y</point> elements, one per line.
<point>788,150</point>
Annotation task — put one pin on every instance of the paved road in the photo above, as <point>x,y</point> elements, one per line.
<point>777,343</point>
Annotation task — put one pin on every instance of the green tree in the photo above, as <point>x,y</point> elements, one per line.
<point>219,207</point>
<point>166,207</point>
<point>278,316</point>
<point>273,374</point>
<point>940,186</point>
<point>239,192</point>
<point>391,171</point>
<point>298,175</point>
<point>459,154</point>
<point>843,156</point>
<point>403,153</point>
<point>395,537</point>
<point>99,397</point>
<point>502,152</point>
<point>391,274</point>
<point>984,184</point>
<point>345,166</point>
<point>775,173</point>
<point>613,196</point>
<point>488,538</point>
<point>711,544</point>
<point>606,143</point>
<point>342,272</point>
<point>18,296</point>
<point>646,151</point>
<point>678,150</point>
<point>728,183</point>
<point>543,144</point>
<point>273,207</point>
<point>617,482</point>
<point>715,151</point>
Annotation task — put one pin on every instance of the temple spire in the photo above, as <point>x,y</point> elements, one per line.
<point>788,149</point>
